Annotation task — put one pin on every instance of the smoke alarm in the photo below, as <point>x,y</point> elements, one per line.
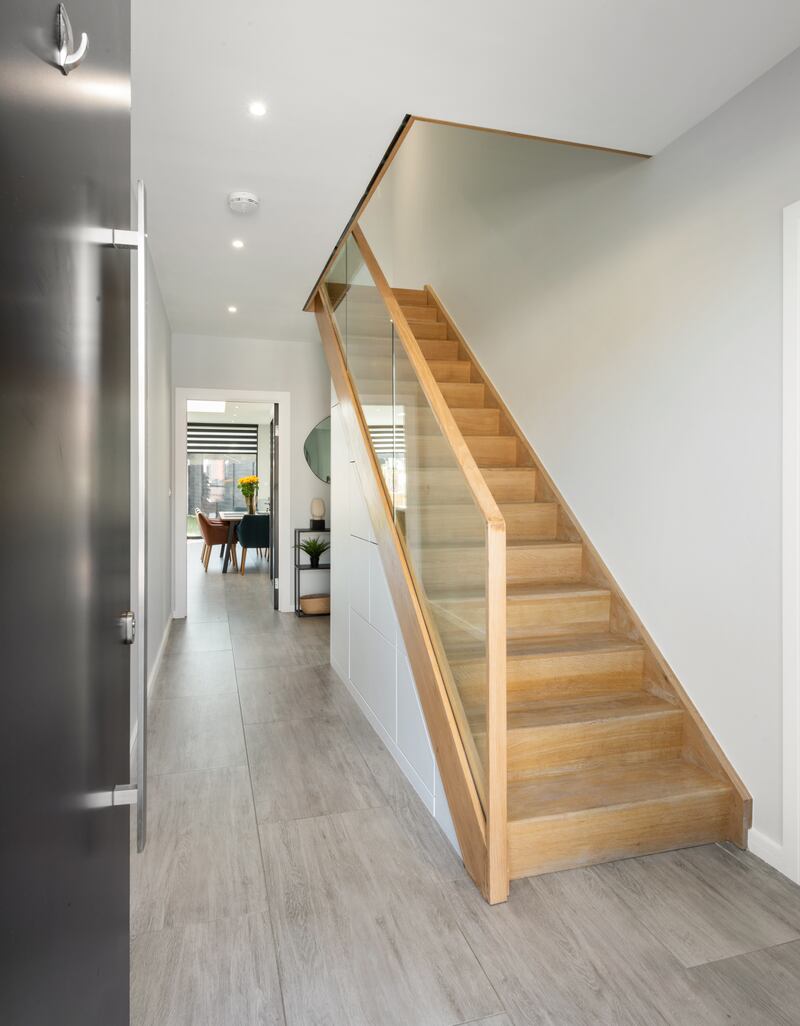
<point>243,202</point>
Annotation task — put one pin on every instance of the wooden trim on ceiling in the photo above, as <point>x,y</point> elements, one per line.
<point>533,138</point>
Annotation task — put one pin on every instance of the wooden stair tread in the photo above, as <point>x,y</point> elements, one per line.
<point>511,543</point>
<point>595,709</point>
<point>619,785</point>
<point>527,592</point>
<point>608,704</point>
<point>524,648</point>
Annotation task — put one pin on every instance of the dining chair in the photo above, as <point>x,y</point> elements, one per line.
<point>253,532</point>
<point>214,532</point>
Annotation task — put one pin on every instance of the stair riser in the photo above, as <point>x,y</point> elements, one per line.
<point>459,523</point>
<point>428,329</point>
<point>601,835</point>
<point>463,395</point>
<point>411,297</point>
<point>419,313</point>
<point>558,675</point>
<point>428,450</point>
<point>439,349</point>
<point>540,565</point>
<point>477,422</point>
<point>450,370</point>
<point>468,565</point>
<point>539,749</point>
<point>515,486</point>
<point>531,617</point>
<point>444,487</point>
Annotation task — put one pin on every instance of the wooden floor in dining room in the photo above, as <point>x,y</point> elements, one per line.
<point>293,878</point>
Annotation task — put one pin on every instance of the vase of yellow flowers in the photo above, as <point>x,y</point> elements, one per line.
<point>248,486</point>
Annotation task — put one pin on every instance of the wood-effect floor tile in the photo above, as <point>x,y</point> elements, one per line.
<point>564,949</point>
<point>364,935</point>
<point>202,732</point>
<point>188,636</point>
<point>272,693</point>
<point>192,674</point>
<point>761,988</point>
<point>704,904</point>
<point>221,973</point>
<point>202,859</point>
<point>307,767</point>
<point>278,648</point>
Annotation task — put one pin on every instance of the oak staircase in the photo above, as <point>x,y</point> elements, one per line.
<point>600,753</point>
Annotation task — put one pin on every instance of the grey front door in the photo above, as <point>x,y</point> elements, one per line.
<point>64,496</point>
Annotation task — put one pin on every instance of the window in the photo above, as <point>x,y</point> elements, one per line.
<point>217,455</point>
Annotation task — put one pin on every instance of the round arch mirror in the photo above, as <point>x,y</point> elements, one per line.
<point>317,450</point>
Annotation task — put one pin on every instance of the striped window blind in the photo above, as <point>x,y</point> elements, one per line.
<point>387,441</point>
<point>222,439</point>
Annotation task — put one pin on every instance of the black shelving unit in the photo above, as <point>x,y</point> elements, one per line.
<point>300,567</point>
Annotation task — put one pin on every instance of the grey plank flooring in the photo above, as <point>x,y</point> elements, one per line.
<point>704,904</point>
<point>207,974</point>
<point>292,876</point>
<point>759,987</point>
<point>284,693</point>
<point>307,767</point>
<point>202,860</point>
<point>190,674</point>
<point>200,732</point>
<point>363,937</point>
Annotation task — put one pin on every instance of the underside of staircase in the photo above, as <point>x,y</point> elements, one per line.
<point>607,757</point>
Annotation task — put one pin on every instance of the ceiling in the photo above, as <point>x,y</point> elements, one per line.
<point>236,413</point>
<point>338,79</point>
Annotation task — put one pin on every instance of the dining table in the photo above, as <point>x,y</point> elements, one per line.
<point>231,519</point>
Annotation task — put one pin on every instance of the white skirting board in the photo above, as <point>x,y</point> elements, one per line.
<point>777,855</point>
<point>442,814</point>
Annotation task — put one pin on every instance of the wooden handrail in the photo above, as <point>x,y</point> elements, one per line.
<point>494,789</point>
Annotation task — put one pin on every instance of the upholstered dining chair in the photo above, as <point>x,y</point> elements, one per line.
<point>253,532</point>
<point>214,532</point>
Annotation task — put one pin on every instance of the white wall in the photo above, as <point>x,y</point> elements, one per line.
<point>366,645</point>
<point>205,361</point>
<point>629,313</point>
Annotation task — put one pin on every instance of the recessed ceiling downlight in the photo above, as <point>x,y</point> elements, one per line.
<point>257,108</point>
<point>232,309</point>
<point>243,202</point>
<point>237,244</point>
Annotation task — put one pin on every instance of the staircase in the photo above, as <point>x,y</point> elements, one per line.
<point>603,755</point>
<point>600,761</point>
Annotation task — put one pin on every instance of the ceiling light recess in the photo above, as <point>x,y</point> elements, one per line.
<point>205,405</point>
<point>257,108</point>
<point>243,202</point>
<point>232,309</point>
<point>237,244</point>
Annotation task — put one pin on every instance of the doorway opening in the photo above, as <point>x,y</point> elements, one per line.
<point>231,514</point>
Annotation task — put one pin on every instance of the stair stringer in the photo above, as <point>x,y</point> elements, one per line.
<point>699,744</point>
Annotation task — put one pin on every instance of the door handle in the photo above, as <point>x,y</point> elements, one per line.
<point>66,57</point>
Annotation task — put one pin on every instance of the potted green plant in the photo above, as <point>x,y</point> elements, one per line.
<point>314,548</point>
